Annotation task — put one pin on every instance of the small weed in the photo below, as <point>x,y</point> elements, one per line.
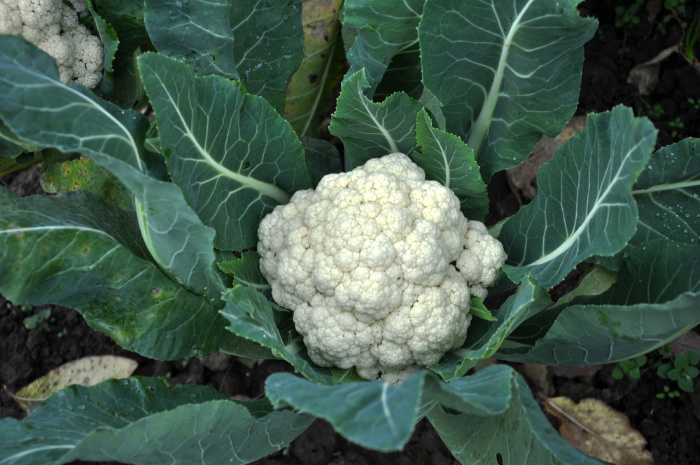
<point>676,124</point>
<point>39,320</point>
<point>668,393</point>
<point>694,103</point>
<point>682,370</point>
<point>628,17</point>
<point>656,112</point>
<point>630,368</point>
<point>62,333</point>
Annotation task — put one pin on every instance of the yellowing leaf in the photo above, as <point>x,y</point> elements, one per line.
<point>312,83</point>
<point>85,371</point>
<point>599,431</point>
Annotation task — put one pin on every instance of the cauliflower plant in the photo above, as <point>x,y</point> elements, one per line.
<point>54,27</point>
<point>378,265</point>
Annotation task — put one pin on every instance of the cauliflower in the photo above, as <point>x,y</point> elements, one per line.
<point>378,266</point>
<point>54,27</point>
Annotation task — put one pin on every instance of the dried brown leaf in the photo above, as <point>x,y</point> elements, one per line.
<point>597,430</point>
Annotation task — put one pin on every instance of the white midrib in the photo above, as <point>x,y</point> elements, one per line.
<point>264,188</point>
<point>480,128</point>
<point>34,450</point>
<point>571,240</point>
<point>392,144</point>
<point>667,187</point>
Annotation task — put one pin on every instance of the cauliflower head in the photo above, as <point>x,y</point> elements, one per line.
<point>378,265</point>
<point>54,27</point>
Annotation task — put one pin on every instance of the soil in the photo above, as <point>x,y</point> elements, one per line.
<point>671,426</point>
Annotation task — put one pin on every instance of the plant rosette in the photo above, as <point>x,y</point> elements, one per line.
<point>152,230</point>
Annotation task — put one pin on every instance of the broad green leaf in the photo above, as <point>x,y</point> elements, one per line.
<point>448,160</point>
<point>506,73</point>
<point>85,174</point>
<point>196,31</point>
<point>312,83</point>
<point>253,317</point>
<point>520,435</point>
<point>39,108</point>
<point>373,414</point>
<point>484,393</point>
<point>322,158</point>
<point>269,45</point>
<point>246,272</point>
<point>78,251</point>
<point>371,130</point>
<point>139,420</point>
<point>668,194</point>
<point>655,299</point>
<point>485,337</point>
<point>404,74</point>
<point>584,206</point>
<point>385,30</point>
<point>220,142</point>
<point>11,145</point>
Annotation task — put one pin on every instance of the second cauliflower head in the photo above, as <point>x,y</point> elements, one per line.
<point>378,265</point>
<point>54,26</point>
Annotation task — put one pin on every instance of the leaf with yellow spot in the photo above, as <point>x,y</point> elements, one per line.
<point>86,371</point>
<point>597,430</point>
<point>320,69</point>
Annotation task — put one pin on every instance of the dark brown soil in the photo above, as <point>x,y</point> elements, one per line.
<point>671,426</point>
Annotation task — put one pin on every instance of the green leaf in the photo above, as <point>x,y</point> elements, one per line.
<point>322,158</point>
<point>448,160</point>
<point>506,74</point>
<point>39,108</point>
<point>246,272</point>
<point>584,205</point>
<point>654,300</point>
<point>373,414</point>
<point>196,31</point>
<point>386,31</point>
<point>253,317</point>
<point>79,251</point>
<point>126,17</point>
<point>86,175</point>
<point>139,420</point>
<point>269,45</point>
<point>312,83</point>
<point>371,130</point>
<point>668,194</point>
<point>519,435</point>
<point>485,337</point>
<point>221,142</point>
<point>479,310</point>
<point>595,281</point>
<point>109,39</point>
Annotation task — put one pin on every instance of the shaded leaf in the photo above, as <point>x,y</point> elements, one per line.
<point>595,281</point>
<point>312,83</point>
<point>371,130</point>
<point>584,206</point>
<point>78,251</point>
<point>253,317</point>
<point>221,142</point>
<point>269,45</point>
<point>196,31</point>
<point>386,35</point>
<point>599,431</point>
<point>139,420</point>
<point>668,194</point>
<point>86,371</point>
<point>506,74</point>
<point>126,17</point>
<point>519,435</point>
<point>448,160</point>
<point>322,158</point>
<point>39,108</point>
